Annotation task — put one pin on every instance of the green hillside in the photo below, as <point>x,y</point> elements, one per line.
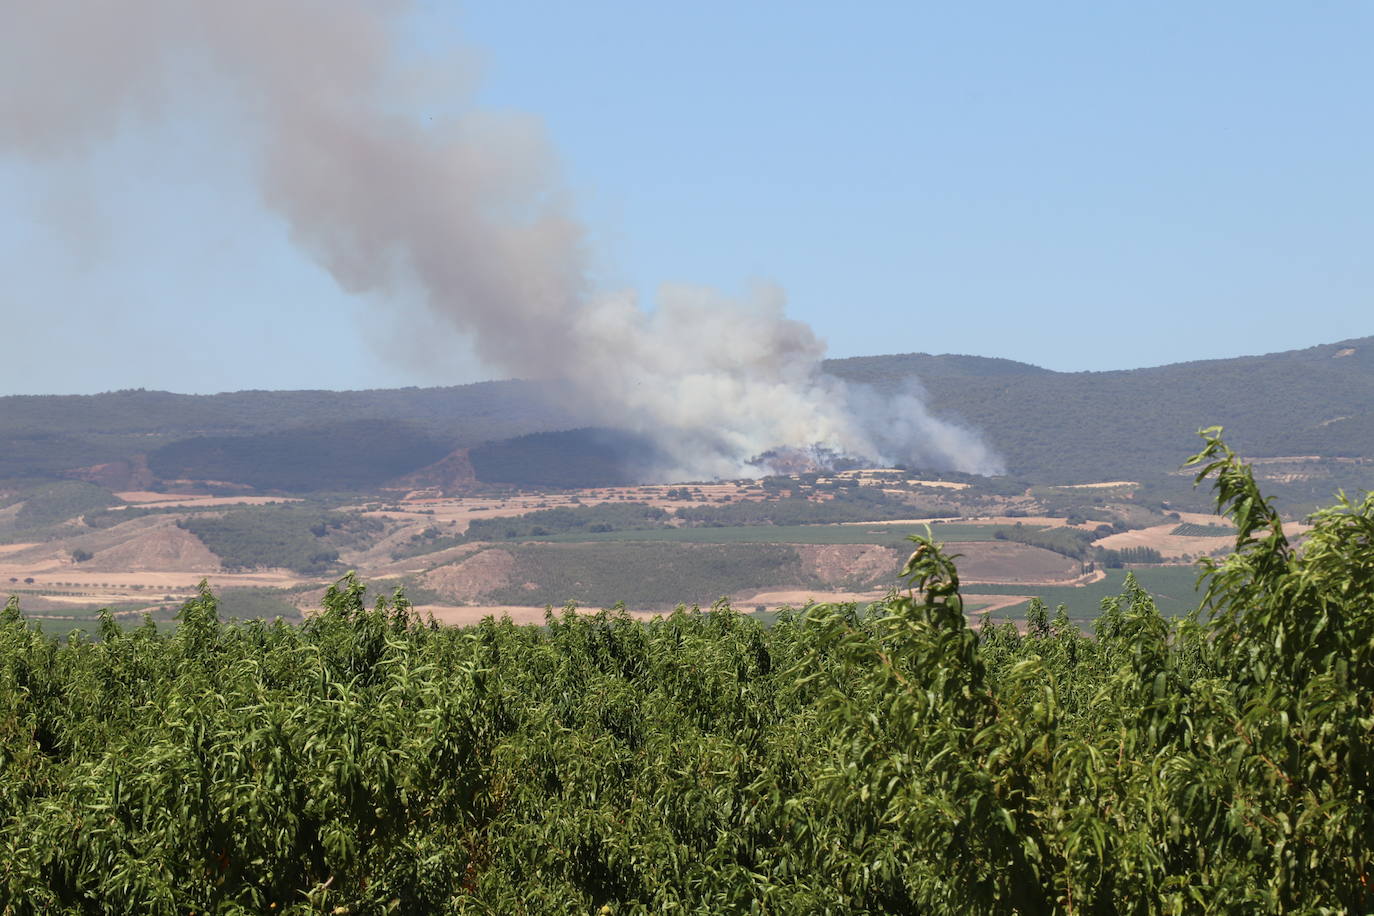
<point>44,435</point>
<point>569,458</point>
<point>47,504</point>
<point>343,456</point>
<point>1078,426</point>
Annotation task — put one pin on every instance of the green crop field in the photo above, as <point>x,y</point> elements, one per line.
<point>1173,588</point>
<point>886,535</point>
<point>647,575</point>
<point>1190,530</point>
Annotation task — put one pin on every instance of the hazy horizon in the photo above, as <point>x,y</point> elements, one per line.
<point>490,381</point>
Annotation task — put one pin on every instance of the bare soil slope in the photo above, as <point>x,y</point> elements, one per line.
<point>167,548</point>
<point>854,565</point>
<point>474,576</point>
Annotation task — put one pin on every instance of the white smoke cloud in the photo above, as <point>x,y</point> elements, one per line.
<point>469,210</point>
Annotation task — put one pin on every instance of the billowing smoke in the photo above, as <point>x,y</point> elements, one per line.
<point>466,209</point>
<point>721,381</point>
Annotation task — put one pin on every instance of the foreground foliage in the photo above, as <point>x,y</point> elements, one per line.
<point>890,761</point>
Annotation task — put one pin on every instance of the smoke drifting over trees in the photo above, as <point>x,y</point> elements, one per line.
<point>464,212</point>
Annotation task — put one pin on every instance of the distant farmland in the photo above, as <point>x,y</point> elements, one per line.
<point>884,535</point>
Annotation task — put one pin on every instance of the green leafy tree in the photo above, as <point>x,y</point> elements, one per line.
<point>881,760</point>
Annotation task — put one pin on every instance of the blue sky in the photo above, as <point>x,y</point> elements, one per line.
<point>1078,185</point>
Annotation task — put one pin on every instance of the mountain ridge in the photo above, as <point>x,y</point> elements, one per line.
<point>1050,426</point>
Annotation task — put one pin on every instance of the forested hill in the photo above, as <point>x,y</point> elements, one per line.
<point>1075,426</point>
<point>1056,427</point>
<point>495,407</point>
<point>44,435</point>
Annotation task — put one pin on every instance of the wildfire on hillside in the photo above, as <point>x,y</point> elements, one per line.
<point>809,459</point>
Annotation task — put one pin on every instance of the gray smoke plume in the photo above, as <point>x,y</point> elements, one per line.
<point>466,209</point>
